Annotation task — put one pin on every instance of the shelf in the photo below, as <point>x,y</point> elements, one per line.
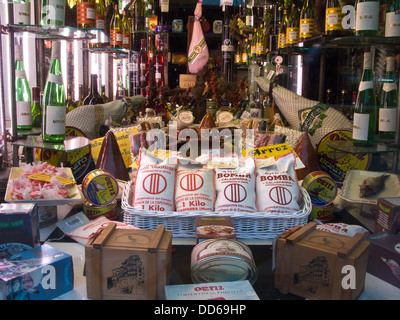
<point>116,52</point>
<point>49,33</point>
<point>364,41</point>
<point>31,132</point>
<point>378,147</point>
<point>69,144</point>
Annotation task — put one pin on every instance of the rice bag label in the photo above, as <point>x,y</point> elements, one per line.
<point>277,185</point>
<point>154,184</point>
<point>236,187</point>
<point>194,190</point>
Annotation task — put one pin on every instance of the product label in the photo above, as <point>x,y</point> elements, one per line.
<point>24,115</point>
<point>86,13</point>
<point>389,86</point>
<point>164,5</point>
<point>333,19</point>
<point>214,248</point>
<point>57,79</point>
<point>392,27</point>
<point>292,35</point>
<point>367,16</point>
<point>307,27</point>
<point>55,120</point>
<point>364,85</point>
<point>281,40</point>
<point>360,126</point>
<point>387,119</point>
<point>116,37</point>
<point>249,21</point>
<point>100,23</point>
<point>22,13</point>
<point>53,14</point>
<point>90,13</point>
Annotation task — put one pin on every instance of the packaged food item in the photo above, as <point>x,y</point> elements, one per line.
<point>235,185</point>
<point>195,189</point>
<point>387,217</point>
<point>213,227</point>
<point>110,210</point>
<point>216,260</point>
<point>277,186</point>
<point>321,188</point>
<point>343,228</point>
<point>322,213</point>
<point>306,152</point>
<point>154,188</point>
<point>100,187</point>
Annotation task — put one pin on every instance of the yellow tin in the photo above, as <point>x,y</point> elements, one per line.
<point>321,188</point>
<point>99,187</point>
<point>322,213</point>
<point>110,211</point>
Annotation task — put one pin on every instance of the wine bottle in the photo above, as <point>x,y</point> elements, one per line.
<point>54,100</point>
<point>227,47</point>
<point>392,21</point>
<point>249,49</point>
<point>388,103</point>
<point>70,104</point>
<point>164,10</point>
<point>367,17</point>
<point>292,30</point>
<point>36,108</point>
<point>94,96</point>
<point>86,14</point>
<point>282,31</point>
<point>100,15</point>
<point>307,20</point>
<point>160,106</point>
<point>133,72</point>
<point>52,13</point>
<point>143,65</point>
<point>21,12</point>
<point>253,47</point>
<point>261,45</point>
<point>244,52</point>
<point>333,18</point>
<point>103,94</point>
<point>126,30</point>
<point>81,96</point>
<point>138,11</point>
<point>22,93</point>
<point>116,28</point>
<point>159,65</point>
<point>249,13</point>
<point>238,54</point>
<point>148,103</point>
<point>365,110</point>
<point>71,14</point>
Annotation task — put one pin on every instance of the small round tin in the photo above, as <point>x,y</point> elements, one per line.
<point>216,260</point>
<point>321,188</point>
<point>99,187</point>
<point>110,211</point>
<point>322,213</point>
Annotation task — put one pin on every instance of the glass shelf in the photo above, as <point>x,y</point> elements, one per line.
<point>33,131</point>
<point>378,147</point>
<point>116,52</point>
<point>47,33</point>
<point>69,144</point>
<point>364,41</point>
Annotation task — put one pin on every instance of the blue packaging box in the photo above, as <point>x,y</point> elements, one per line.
<point>40,273</point>
<point>19,223</point>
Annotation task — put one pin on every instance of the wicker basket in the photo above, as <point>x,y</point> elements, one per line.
<point>247,226</point>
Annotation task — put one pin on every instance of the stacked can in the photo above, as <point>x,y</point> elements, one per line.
<point>322,190</point>
<point>100,189</point>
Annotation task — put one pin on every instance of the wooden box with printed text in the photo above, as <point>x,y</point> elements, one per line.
<point>309,263</point>
<point>127,264</point>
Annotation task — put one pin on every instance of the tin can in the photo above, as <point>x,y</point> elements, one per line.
<point>99,187</point>
<point>217,260</point>
<point>322,213</point>
<point>110,211</point>
<point>321,188</point>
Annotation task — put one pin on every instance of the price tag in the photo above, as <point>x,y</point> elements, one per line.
<point>46,177</point>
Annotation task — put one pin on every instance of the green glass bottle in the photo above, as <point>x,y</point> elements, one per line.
<point>36,108</point>
<point>367,17</point>
<point>22,93</point>
<point>249,13</point>
<point>282,30</point>
<point>307,20</point>
<point>365,110</point>
<point>138,12</point>
<point>293,26</point>
<point>70,104</point>
<point>388,104</point>
<point>392,20</point>
<point>333,18</point>
<point>54,100</point>
<point>53,13</point>
<point>21,11</point>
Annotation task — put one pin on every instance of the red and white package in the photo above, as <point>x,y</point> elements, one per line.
<point>194,189</point>
<point>277,187</point>
<point>235,186</point>
<point>343,228</point>
<point>155,183</point>
<point>198,50</point>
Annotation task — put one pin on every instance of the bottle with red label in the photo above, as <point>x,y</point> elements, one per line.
<point>86,14</point>
<point>159,65</point>
<point>116,28</point>
<point>143,65</point>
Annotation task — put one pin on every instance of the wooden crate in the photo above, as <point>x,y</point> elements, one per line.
<point>309,263</point>
<point>128,264</point>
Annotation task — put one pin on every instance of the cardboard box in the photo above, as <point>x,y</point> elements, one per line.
<point>384,257</point>
<point>19,223</point>
<point>231,290</point>
<point>128,264</point>
<point>387,217</point>
<point>41,273</point>
<point>187,81</point>
<point>320,265</point>
<point>212,227</point>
